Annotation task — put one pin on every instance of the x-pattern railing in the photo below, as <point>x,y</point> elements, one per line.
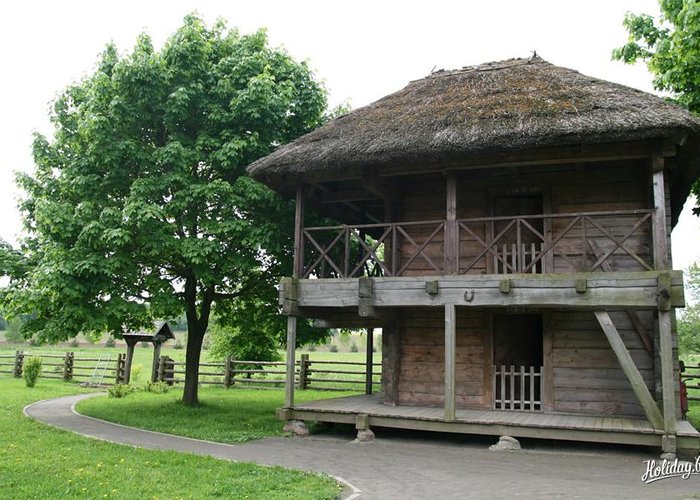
<point>502,245</point>
<point>369,249</point>
<point>518,246</point>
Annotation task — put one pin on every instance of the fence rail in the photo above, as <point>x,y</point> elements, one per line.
<point>309,374</point>
<point>691,377</point>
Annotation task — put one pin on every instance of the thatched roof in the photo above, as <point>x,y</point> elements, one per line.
<point>513,105</point>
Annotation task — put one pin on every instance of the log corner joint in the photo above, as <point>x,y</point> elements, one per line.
<point>365,292</point>
<point>289,296</point>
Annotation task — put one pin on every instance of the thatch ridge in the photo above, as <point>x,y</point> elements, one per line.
<point>511,105</point>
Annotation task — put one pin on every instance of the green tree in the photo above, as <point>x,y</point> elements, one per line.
<point>139,207</point>
<point>670,46</point>
<point>689,318</point>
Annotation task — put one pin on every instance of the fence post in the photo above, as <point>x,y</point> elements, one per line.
<point>168,374</point>
<point>19,363</point>
<point>304,371</point>
<point>68,362</point>
<point>228,372</point>
<point>121,362</point>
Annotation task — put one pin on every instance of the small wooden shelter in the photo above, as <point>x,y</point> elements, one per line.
<point>507,226</point>
<point>160,335</point>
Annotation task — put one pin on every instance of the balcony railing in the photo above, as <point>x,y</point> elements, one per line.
<point>578,242</point>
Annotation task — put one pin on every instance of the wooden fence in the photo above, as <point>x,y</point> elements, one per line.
<point>517,388</point>
<point>66,366</point>
<point>310,374</point>
<point>691,377</point>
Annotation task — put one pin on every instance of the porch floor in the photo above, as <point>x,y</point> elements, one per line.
<point>623,430</point>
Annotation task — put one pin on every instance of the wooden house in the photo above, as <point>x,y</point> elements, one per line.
<point>507,227</point>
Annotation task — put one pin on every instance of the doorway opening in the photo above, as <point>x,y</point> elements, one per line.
<point>517,362</point>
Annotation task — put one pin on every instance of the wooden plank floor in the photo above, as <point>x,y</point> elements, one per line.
<point>372,406</point>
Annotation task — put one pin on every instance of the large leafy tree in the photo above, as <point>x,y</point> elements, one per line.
<point>139,207</point>
<point>670,46</point>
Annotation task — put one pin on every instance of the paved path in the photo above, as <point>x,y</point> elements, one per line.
<point>415,466</point>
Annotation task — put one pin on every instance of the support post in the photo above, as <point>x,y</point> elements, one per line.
<point>391,361</point>
<point>129,360</point>
<point>451,237</point>
<point>627,364</point>
<point>298,270</point>
<point>154,363</point>
<point>291,365</point>
<point>661,262</point>
<point>450,345</point>
<point>369,360</point>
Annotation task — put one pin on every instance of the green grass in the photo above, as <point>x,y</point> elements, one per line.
<point>223,415</point>
<point>38,461</point>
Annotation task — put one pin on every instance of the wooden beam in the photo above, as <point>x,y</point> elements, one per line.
<point>369,360</point>
<point>627,364</point>
<point>372,183</point>
<point>298,232</point>
<point>451,243</point>
<point>391,361</point>
<point>621,290</point>
<point>659,236</point>
<point>291,361</point>
<point>668,384</point>
<point>346,195</point>
<point>450,346</point>
<point>547,364</point>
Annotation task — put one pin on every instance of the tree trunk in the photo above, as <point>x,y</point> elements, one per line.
<point>195,336</point>
<point>197,324</point>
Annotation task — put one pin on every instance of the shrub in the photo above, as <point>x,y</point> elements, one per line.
<point>119,390</point>
<point>157,387</point>
<point>353,347</point>
<point>145,344</point>
<point>32,370</point>
<point>136,372</point>
<point>110,342</point>
<point>312,348</point>
<point>74,342</point>
<point>178,345</point>
<point>333,348</point>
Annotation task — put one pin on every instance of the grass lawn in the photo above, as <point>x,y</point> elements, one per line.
<point>38,461</point>
<point>224,415</point>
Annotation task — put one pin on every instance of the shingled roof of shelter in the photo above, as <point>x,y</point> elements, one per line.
<point>506,106</point>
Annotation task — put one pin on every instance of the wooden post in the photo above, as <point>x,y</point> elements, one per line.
<point>661,262</point>
<point>121,365</point>
<point>228,372</point>
<point>391,361</point>
<point>156,359</point>
<point>451,240</point>
<point>450,345</point>
<point>304,372</point>
<point>627,364</point>
<point>68,361</point>
<point>169,370</point>
<point>298,270</point>
<point>129,360</point>
<point>19,363</point>
<point>291,365</point>
<point>369,360</point>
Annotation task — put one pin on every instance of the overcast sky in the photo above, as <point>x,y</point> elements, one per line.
<point>363,50</point>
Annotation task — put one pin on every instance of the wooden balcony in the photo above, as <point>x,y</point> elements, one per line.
<point>530,244</point>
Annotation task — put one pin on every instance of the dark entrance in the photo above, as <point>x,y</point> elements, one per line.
<point>517,360</point>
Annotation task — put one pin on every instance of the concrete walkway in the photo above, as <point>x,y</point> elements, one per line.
<point>415,466</point>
